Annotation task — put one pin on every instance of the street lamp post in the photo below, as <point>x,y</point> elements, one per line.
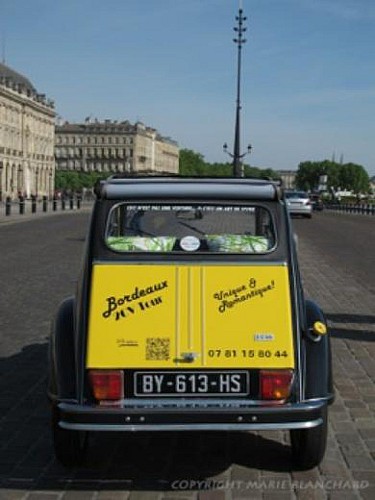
<point>236,155</point>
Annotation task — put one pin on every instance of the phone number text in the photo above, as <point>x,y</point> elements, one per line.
<point>247,353</point>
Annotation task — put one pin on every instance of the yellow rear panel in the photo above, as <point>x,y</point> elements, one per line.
<point>190,316</point>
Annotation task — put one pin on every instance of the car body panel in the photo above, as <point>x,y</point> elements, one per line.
<point>148,316</point>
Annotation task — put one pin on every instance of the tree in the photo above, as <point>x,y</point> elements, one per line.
<point>354,178</point>
<point>75,181</point>
<point>191,163</point>
<point>348,176</point>
<point>307,177</point>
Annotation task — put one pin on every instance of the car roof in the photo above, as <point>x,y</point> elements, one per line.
<point>187,188</point>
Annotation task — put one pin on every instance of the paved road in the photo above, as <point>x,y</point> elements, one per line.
<point>345,241</point>
<point>39,264</point>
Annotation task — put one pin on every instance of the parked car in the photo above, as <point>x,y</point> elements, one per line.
<point>316,202</point>
<point>298,203</point>
<point>189,323</point>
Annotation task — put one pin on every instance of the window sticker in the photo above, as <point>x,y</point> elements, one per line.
<point>190,243</point>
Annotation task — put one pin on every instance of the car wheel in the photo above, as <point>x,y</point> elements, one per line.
<point>309,445</point>
<point>309,216</point>
<point>70,446</point>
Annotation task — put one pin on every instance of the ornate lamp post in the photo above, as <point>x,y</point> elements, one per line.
<point>236,155</point>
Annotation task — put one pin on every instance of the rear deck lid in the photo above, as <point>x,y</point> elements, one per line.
<point>190,316</point>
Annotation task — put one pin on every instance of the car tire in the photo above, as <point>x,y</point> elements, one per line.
<point>309,445</point>
<point>70,446</point>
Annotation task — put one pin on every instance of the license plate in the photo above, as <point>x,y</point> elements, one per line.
<point>213,383</point>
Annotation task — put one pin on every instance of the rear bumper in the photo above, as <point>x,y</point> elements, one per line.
<point>192,415</point>
<point>300,210</point>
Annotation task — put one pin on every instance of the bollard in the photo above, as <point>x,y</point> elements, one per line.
<point>45,207</point>
<point>62,203</point>
<point>22,205</point>
<point>8,205</point>
<point>71,202</point>
<point>78,202</point>
<point>33,204</point>
<point>54,204</point>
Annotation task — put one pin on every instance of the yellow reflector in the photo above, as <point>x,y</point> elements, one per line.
<point>319,328</point>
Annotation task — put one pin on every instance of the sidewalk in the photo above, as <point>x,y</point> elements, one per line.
<point>15,215</point>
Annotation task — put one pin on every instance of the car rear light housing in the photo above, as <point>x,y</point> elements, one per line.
<point>107,385</point>
<point>275,385</point>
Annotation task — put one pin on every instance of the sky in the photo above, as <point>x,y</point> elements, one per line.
<point>308,71</point>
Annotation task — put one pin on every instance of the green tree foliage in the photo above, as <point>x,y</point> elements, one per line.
<point>75,181</point>
<point>193,164</point>
<point>354,177</point>
<point>339,176</point>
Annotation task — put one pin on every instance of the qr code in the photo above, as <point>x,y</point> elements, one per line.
<point>157,349</point>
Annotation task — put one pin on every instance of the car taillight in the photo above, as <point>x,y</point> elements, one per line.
<point>275,384</point>
<point>107,384</point>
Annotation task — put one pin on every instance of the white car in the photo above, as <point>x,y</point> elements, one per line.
<point>299,203</point>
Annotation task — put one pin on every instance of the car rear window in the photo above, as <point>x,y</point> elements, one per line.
<point>296,194</point>
<point>190,228</point>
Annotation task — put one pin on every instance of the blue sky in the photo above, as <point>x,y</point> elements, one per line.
<point>308,79</point>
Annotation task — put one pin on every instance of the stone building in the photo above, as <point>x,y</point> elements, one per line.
<point>112,146</point>
<point>27,129</point>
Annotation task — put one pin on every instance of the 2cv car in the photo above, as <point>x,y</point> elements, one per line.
<point>189,315</point>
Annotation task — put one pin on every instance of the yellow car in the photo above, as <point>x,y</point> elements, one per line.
<point>190,316</point>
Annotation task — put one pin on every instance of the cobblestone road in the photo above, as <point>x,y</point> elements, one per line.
<point>39,263</point>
